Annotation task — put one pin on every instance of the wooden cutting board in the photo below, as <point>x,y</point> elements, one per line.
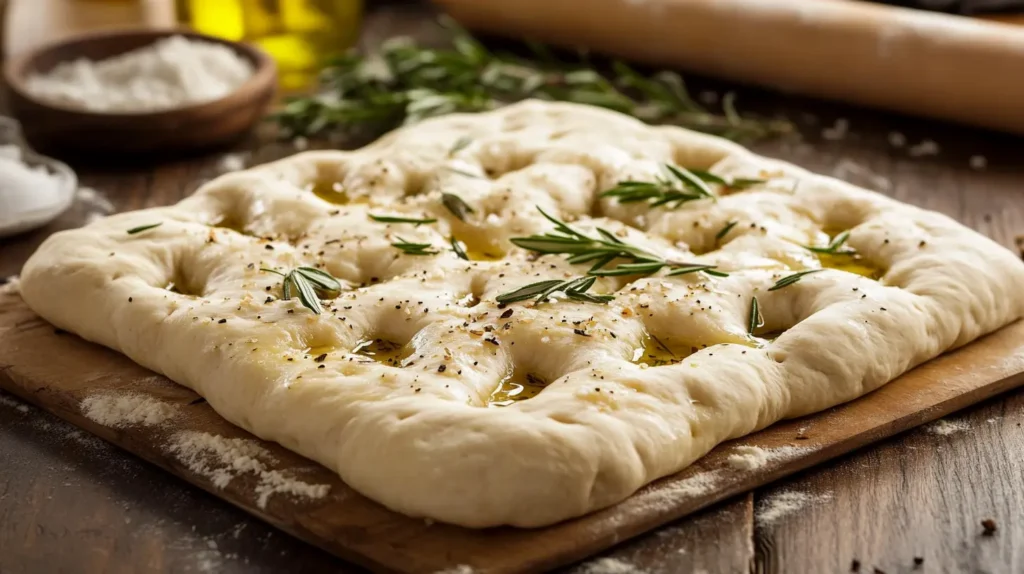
<point>57,371</point>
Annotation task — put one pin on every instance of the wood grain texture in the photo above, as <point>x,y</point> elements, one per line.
<point>359,530</point>
<point>63,503</point>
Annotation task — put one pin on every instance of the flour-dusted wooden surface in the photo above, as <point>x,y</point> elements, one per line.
<point>72,503</point>
<point>355,528</point>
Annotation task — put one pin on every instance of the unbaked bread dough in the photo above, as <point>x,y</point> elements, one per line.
<point>411,384</point>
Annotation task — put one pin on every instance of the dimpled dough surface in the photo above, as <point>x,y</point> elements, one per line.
<point>419,433</point>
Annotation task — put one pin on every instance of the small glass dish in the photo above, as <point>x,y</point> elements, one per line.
<point>18,222</point>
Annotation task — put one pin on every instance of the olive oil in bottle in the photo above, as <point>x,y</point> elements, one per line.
<point>299,34</point>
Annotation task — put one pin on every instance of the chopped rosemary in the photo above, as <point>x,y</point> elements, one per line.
<point>456,205</point>
<point>574,289</point>
<point>392,219</point>
<point>756,320</point>
<point>414,248</point>
<point>307,283</point>
<point>460,252</point>
<point>725,230</point>
<point>459,145</point>
<point>791,279</point>
<point>680,186</point>
<point>404,83</point>
<point>836,247</point>
<point>142,228</point>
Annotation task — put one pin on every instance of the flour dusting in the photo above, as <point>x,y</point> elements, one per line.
<point>942,427</point>
<point>223,459</point>
<point>754,457</point>
<point>12,403</point>
<point>11,284</point>
<point>609,566</point>
<point>460,569</point>
<point>785,503</point>
<point>857,174</point>
<point>748,458</point>
<point>122,410</point>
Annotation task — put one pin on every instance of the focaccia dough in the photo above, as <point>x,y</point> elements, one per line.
<point>420,437</point>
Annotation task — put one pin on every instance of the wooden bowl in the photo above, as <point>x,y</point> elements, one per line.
<point>61,128</point>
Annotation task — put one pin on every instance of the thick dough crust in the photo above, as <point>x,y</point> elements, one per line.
<point>420,438</point>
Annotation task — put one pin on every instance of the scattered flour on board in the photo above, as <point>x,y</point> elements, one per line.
<point>122,410</point>
<point>853,172</point>
<point>460,569</point>
<point>753,457</point>
<point>223,459</point>
<point>608,566</point>
<point>942,427</point>
<point>230,162</point>
<point>784,503</point>
<point>10,284</point>
<point>93,200</point>
<point>925,148</point>
<point>14,404</point>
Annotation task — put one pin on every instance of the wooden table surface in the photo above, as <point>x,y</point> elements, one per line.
<point>72,503</point>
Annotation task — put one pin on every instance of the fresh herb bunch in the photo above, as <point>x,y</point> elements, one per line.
<point>405,83</point>
<point>307,283</point>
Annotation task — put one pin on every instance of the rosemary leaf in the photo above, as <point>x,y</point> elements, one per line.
<point>756,320</point>
<point>456,205</point>
<point>527,291</point>
<point>307,283</point>
<point>307,294</point>
<point>575,289</point>
<point>836,247</point>
<point>725,230</point>
<point>320,279</point>
<point>460,252</point>
<point>459,145</point>
<point>393,219</point>
<point>791,279</point>
<point>414,248</point>
<point>142,228</point>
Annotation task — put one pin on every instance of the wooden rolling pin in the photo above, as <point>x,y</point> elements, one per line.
<point>911,61</point>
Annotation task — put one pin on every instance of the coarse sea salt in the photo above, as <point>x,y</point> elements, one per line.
<point>171,73</point>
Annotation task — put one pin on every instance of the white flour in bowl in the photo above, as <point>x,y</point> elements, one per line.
<point>171,73</point>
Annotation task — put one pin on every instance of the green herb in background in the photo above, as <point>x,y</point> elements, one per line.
<point>404,83</point>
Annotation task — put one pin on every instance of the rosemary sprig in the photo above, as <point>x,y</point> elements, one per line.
<point>456,205</point>
<point>791,279</point>
<point>460,252</point>
<point>836,247</point>
<point>603,250</point>
<point>680,186</point>
<point>404,83</point>
<point>575,289</point>
<point>410,248</point>
<point>756,320</point>
<point>392,219</point>
<point>307,283</point>
<point>142,228</point>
